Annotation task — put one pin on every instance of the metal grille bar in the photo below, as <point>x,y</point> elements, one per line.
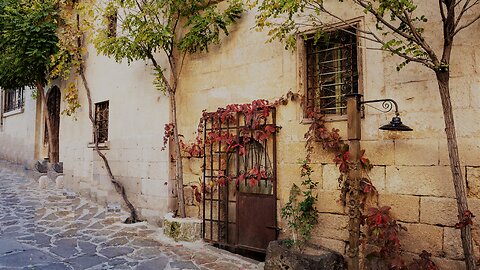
<point>13,100</point>
<point>332,71</point>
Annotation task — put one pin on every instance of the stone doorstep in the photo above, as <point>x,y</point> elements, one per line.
<point>182,229</point>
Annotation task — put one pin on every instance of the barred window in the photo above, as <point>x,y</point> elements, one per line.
<point>332,72</point>
<point>101,121</point>
<point>13,100</point>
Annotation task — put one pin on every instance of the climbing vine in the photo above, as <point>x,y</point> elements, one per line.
<point>381,238</point>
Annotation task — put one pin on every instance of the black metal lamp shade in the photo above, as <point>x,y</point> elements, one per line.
<point>396,125</point>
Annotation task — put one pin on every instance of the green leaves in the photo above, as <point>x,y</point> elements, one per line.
<point>28,40</point>
<point>152,26</point>
<point>302,215</point>
<point>204,27</point>
<point>398,24</point>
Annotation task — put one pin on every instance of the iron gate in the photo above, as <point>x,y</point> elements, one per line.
<point>239,211</point>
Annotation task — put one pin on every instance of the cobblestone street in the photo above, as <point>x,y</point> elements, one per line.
<point>43,229</point>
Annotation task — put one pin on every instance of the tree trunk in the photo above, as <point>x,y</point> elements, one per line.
<point>119,187</point>
<point>443,79</point>
<point>178,158</point>
<point>52,156</point>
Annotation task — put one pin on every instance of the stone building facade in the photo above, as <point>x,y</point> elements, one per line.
<point>411,170</point>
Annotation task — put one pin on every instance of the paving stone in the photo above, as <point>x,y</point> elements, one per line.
<point>42,239</point>
<point>52,266</point>
<point>155,264</point>
<point>86,261</point>
<point>8,245</point>
<point>183,265</point>
<point>142,242</point>
<point>112,252</point>
<point>66,242</point>
<point>119,241</point>
<point>26,258</point>
<point>147,253</point>
<point>87,248</point>
<point>68,233</point>
<point>64,251</point>
<point>74,229</point>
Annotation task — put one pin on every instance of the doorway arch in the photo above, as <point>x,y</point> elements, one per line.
<point>53,104</point>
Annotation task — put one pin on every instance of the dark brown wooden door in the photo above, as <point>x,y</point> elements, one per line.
<point>53,103</point>
<point>241,212</point>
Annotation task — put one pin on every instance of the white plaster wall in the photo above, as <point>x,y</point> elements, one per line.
<point>17,135</point>
<point>137,115</point>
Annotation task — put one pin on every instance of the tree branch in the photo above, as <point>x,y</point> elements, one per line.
<point>420,40</point>
<point>442,10</point>
<point>466,25</point>
<point>384,22</point>
<point>423,61</point>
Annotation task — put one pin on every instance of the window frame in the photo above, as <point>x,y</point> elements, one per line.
<point>302,63</point>
<point>15,109</point>
<point>107,121</point>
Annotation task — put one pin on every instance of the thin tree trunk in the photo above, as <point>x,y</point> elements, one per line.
<point>53,158</point>
<point>171,90</point>
<point>443,78</point>
<point>178,158</point>
<point>119,187</point>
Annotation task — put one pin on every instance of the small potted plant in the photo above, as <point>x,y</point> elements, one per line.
<point>301,215</point>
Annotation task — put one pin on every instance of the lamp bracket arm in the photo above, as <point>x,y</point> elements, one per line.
<point>387,104</point>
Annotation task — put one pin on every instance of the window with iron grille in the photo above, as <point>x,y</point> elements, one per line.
<point>101,121</point>
<point>331,71</point>
<point>13,100</point>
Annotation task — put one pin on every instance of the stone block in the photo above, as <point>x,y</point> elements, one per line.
<point>182,229</point>
<point>157,170</point>
<point>420,180</point>
<point>328,202</point>
<point>59,182</point>
<point>331,226</point>
<point>443,263</point>
<point>438,211</point>
<point>43,182</point>
<point>377,176</point>
<point>404,207</point>
<point>416,152</point>
<point>281,257</point>
<point>468,149</point>
<point>473,182</point>
<point>195,165</point>
<point>452,243</point>
<point>419,237</point>
<point>154,187</point>
<point>333,244</point>
<point>379,152</point>
<point>463,122</point>
<point>330,177</point>
<point>292,152</point>
<point>433,128</point>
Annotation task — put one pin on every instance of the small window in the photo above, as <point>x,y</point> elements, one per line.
<point>101,121</point>
<point>331,71</point>
<point>13,100</point>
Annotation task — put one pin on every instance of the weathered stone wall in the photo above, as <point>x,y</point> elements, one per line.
<point>17,135</point>
<point>411,172</point>
<point>137,115</point>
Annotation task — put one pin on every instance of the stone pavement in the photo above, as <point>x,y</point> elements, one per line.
<point>43,229</point>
